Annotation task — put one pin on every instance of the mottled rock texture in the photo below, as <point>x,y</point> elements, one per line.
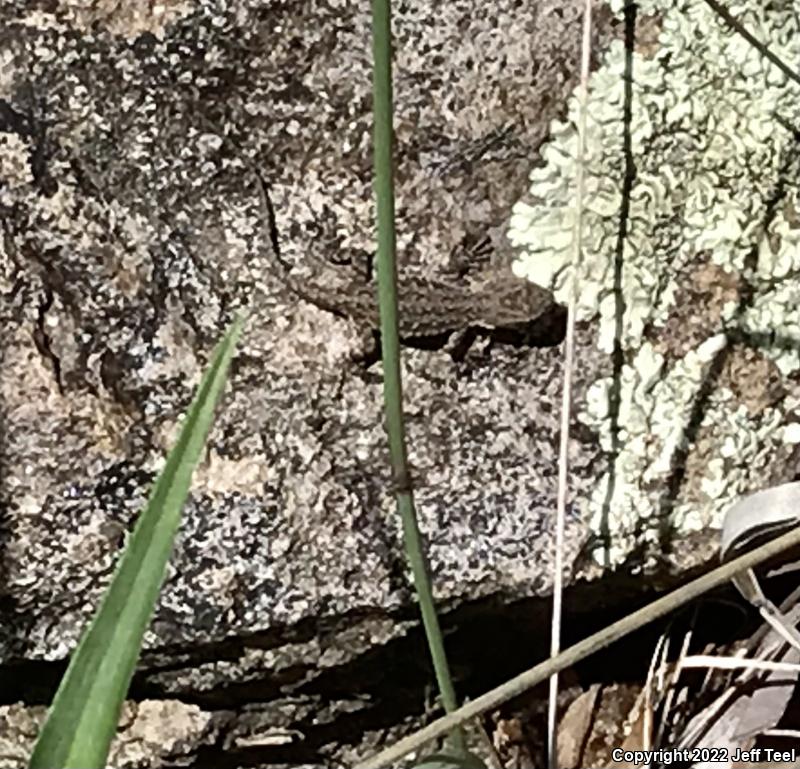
<point>150,733</point>
<point>132,232</point>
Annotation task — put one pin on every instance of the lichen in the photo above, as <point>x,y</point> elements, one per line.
<point>711,148</point>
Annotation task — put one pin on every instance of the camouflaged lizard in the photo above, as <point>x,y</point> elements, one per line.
<point>509,309</point>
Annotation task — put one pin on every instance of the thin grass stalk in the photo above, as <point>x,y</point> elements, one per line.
<point>738,663</point>
<point>566,400</point>
<point>579,651</point>
<point>390,348</point>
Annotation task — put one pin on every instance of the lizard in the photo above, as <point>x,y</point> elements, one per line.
<point>431,310</point>
<point>499,304</point>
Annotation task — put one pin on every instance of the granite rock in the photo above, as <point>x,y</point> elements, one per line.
<point>132,233</point>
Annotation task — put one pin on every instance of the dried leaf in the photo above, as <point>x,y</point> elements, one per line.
<point>574,729</point>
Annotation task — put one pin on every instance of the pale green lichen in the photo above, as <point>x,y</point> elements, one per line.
<point>710,141</point>
<point>776,308</point>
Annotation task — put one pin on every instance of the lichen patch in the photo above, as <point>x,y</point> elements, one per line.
<point>700,297</point>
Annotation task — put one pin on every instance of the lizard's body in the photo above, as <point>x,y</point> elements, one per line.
<point>498,303</point>
<point>430,307</point>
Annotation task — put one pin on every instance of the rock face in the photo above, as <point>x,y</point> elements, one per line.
<point>150,733</point>
<point>133,231</point>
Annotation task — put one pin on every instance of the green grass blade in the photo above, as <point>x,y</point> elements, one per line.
<point>390,352</point>
<point>83,718</point>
